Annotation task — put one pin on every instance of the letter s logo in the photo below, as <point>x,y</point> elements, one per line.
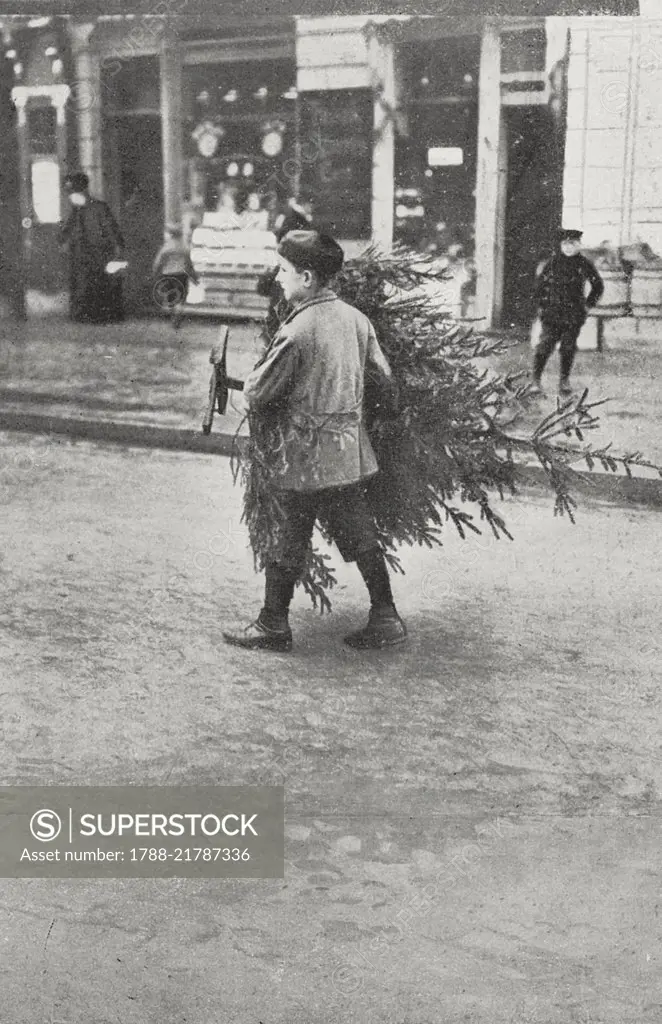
<point>45,825</point>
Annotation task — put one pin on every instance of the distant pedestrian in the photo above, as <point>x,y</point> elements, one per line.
<point>94,241</point>
<point>173,272</point>
<point>297,217</point>
<point>310,387</point>
<point>560,295</point>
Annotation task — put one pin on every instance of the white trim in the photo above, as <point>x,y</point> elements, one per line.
<point>211,53</point>
<point>59,94</point>
<point>524,76</point>
<point>524,99</point>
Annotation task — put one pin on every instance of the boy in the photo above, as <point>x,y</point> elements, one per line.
<point>299,217</point>
<point>173,270</point>
<point>560,298</point>
<point>312,379</point>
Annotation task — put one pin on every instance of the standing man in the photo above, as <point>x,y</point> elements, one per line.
<point>310,383</point>
<point>560,295</point>
<point>94,240</point>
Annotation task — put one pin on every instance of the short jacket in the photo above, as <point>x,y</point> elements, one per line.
<point>312,380</point>
<point>561,286</point>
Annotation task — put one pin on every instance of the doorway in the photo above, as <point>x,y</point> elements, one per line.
<point>533,202</point>
<point>135,193</point>
<point>12,268</point>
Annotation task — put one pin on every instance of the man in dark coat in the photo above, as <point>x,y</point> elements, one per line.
<point>560,295</point>
<point>94,240</point>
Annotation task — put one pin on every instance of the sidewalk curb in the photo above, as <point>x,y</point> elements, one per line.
<point>134,434</point>
<point>621,489</point>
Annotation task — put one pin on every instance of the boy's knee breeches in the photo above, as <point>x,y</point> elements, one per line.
<point>343,510</point>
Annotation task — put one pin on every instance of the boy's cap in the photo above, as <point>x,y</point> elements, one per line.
<point>312,250</point>
<point>570,235</point>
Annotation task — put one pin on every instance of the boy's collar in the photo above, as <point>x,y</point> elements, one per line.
<point>323,295</point>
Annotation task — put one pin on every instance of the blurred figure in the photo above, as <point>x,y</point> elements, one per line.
<point>255,217</point>
<point>227,209</point>
<point>94,240</point>
<point>173,271</point>
<point>298,216</point>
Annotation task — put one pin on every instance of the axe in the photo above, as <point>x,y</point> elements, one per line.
<point>220,384</point>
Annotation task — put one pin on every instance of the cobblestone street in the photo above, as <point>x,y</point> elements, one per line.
<point>473,821</point>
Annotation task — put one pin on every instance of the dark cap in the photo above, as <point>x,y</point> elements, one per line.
<point>77,182</point>
<point>312,250</point>
<point>570,235</point>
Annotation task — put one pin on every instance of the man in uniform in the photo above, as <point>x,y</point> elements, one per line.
<point>560,295</point>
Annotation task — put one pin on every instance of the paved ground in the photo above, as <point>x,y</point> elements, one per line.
<point>140,372</point>
<point>473,822</point>
<point>145,373</point>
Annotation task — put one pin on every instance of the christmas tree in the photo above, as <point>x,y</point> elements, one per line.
<point>448,453</point>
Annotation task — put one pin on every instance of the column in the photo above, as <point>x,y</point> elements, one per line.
<point>488,177</point>
<point>20,263</point>
<point>172,126</point>
<point>20,96</point>
<point>382,65</point>
<point>60,96</point>
<point>631,119</point>
<point>86,101</point>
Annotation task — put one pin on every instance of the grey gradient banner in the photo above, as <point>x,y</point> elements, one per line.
<point>142,832</point>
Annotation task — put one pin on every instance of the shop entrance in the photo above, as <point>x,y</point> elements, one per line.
<point>12,279</point>
<point>533,205</point>
<point>133,171</point>
<point>135,193</point>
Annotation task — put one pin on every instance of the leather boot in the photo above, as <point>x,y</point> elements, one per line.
<point>271,630</point>
<point>262,636</point>
<point>384,628</point>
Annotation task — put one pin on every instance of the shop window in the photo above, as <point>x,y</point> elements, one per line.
<point>435,179</point>
<point>46,190</point>
<point>42,129</point>
<point>240,132</point>
<point>523,52</point>
<point>336,159</point>
<point>44,168</point>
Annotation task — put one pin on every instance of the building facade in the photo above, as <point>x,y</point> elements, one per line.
<point>474,135</point>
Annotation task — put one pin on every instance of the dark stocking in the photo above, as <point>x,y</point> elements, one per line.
<point>278,593</point>
<point>372,566</point>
